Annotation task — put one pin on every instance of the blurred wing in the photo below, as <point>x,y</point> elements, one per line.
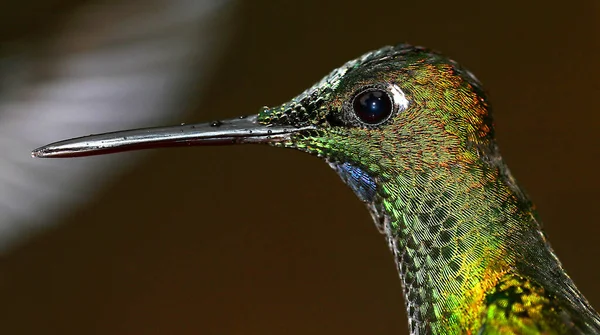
<point>111,65</point>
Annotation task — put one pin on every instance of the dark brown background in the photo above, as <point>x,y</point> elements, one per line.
<point>255,240</point>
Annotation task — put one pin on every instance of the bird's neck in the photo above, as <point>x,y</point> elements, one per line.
<point>455,231</point>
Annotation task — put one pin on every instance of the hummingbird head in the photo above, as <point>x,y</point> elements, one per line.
<point>404,107</point>
<point>397,112</point>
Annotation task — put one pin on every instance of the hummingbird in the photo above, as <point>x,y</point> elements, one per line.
<point>411,132</point>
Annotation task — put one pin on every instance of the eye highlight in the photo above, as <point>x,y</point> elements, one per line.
<point>372,106</point>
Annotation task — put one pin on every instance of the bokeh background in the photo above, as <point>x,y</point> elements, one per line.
<point>252,239</point>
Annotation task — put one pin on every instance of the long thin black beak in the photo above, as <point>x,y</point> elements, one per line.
<point>232,131</point>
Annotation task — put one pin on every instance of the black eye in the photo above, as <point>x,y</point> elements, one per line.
<point>372,106</point>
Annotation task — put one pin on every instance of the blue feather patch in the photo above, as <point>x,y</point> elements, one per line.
<point>359,181</point>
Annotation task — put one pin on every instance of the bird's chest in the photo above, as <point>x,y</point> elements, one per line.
<point>447,269</point>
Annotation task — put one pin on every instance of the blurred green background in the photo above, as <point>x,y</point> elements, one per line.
<point>255,240</point>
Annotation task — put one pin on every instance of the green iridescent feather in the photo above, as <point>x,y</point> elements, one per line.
<point>466,239</point>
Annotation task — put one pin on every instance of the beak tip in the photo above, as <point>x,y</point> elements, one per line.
<point>49,151</point>
<point>39,153</point>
